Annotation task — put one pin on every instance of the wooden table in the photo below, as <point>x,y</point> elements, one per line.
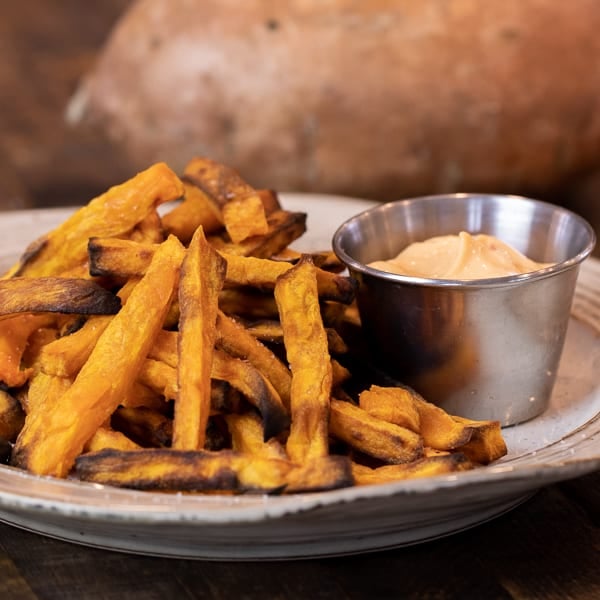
<point>547,548</point>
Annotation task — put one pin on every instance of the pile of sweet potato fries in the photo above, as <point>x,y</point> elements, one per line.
<point>191,348</point>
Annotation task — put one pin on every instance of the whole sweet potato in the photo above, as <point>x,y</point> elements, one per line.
<point>379,99</point>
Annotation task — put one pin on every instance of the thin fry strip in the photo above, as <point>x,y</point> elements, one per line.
<point>202,276</point>
<point>51,439</point>
<point>308,355</point>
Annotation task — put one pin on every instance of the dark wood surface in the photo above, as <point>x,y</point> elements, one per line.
<point>548,547</point>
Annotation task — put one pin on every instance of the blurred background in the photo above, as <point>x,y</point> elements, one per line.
<point>380,99</point>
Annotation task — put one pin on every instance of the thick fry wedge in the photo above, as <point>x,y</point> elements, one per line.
<point>308,355</point>
<point>113,213</point>
<point>377,438</point>
<point>202,276</point>
<point>51,439</point>
<point>56,295</point>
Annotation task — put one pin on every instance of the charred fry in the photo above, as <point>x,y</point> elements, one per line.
<point>55,295</point>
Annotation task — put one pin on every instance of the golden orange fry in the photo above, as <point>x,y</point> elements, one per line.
<point>202,276</point>
<point>113,213</point>
<point>308,355</point>
<point>382,440</point>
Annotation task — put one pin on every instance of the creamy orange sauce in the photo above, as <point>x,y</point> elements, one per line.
<point>462,256</point>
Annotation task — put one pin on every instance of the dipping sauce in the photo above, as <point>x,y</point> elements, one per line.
<point>462,256</point>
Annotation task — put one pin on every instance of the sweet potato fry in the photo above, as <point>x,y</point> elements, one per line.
<point>202,276</point>
<point>43,391</point>
<point>113,213</point>
<point>221,184</point>
<point>320,474</point>
<point>308,355</point>
<point>65,356</point>
<point>147,427</point>
<point>248,302</point>
<point>159,377</point>
<point>185,470</point>
<point>51,439</point>
<point>284,228</point>
<point>149,230</point>
<point>107,438</point>
<point>235,340</point>
<point>395,405</point>
<point>114,257</point>
<point>258,390</point>
<point>248,436</point>
<point>486,443</point>
<point>263,273</point>
<point>439,429</point>
<point>56,295</point>
<point>196,210</point>
<point>423,467</point>
<point>14,335</point>
<point>377,438</point>
<point>245,217</point>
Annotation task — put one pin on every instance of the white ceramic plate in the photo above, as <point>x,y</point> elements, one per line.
<point>562,443</point>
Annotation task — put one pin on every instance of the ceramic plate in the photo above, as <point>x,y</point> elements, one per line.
<point>562,443</point>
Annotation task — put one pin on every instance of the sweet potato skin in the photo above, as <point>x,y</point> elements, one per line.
<point>418,97</point>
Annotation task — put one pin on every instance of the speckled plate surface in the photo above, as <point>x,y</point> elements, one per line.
<point>562,443</point>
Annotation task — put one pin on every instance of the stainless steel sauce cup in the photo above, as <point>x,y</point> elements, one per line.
<point>483,349</point>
